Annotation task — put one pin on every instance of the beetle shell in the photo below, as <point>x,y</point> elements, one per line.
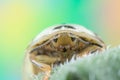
<point>57,44</point>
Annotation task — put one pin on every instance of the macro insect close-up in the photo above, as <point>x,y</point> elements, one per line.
<point>59,44</point>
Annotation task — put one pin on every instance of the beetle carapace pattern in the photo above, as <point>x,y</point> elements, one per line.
<point>59,43</point>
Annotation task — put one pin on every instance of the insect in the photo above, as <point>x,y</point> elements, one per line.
<point>57,44</point>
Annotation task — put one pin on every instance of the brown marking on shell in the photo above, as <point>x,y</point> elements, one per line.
<point>60,46</point>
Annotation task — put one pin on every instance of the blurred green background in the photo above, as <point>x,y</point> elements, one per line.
<point>22,20</point>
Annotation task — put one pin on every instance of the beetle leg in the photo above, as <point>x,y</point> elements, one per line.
<point>89,50</point>
<point>44,68</point>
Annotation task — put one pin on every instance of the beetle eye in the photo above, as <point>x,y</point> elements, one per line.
<point>55,40</point>
<point>58,27</point>
<point>73,38</point>
<point>68,26</point>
